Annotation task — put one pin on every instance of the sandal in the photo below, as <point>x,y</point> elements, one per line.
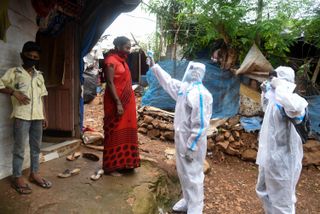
<point>97,175</point>
<point>23,190</point>
<point>115,174</point>
<point>73,156</point>
<point>91,156</point>
<point>44,184</point>
<point>68,173</point>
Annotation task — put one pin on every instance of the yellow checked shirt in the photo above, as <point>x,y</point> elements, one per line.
<point>33,86</point>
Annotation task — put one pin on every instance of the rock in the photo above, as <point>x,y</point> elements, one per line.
<point>91,137</point>
<point>144,201</point>
<point>236,144</point>
<point>143,130</point>
<point>148,159</point>
<point>206,167</point>
<point>155,123</point>
<point>234,120</point>
<point>211,146</point>
<point>169,126</point>
<point>231,139</point>
<point>140,122</point>
<point>232,151</point>
<point>169,135</point>
<point>237,127</point>
<point>311,153</point>
<point>144,125</point>
<point>162,125</point>
<point>227,134</point>
<point>170,153</point>
<point>249,155</point>
<point>210,141</point>
<point>219,138</point>
<point>153,133</point>
<point>236,134</point>
<point>223,145</point>
<point>147,119</point>
<point>162,138</point>
<point>249,107</point>
<point>150,127</point>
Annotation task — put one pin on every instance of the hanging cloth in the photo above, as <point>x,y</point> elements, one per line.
<point>4,19</point>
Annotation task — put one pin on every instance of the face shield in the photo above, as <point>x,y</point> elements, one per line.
<point>194,72</point>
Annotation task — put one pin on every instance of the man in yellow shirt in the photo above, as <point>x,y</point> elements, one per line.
<point>26,86</point>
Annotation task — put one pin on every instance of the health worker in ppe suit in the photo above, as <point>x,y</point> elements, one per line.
<point>192,115</point>
<point>280,147</point>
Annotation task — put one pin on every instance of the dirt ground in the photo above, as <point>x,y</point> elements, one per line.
<point>230,184</point>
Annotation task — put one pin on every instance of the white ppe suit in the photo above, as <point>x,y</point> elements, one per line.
<point>192,116</point>
<point>280,147</point>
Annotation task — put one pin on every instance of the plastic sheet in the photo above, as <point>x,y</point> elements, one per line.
<point>251,124</point>
<point>314,113</point>
<point>223,85</point>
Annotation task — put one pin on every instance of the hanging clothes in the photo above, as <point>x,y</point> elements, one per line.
<point>4,19</point>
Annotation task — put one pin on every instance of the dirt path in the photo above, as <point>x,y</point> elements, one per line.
<point>230,185</point>
<point>230,188</point>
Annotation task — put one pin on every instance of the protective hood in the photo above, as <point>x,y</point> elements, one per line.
<point>285,73</point>
<point>194,72</point>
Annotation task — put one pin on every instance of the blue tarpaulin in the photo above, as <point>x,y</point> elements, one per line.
<point>314,112</point>
<point>223,85</point>
<point>251,124</point>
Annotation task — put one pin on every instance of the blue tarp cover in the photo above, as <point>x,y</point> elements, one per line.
<point>314,112</point>
<point>223,85</point>
<point>251,124</point>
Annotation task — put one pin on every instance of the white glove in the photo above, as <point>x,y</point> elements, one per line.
<point>189,155</point>
<point>265,86</point>
<point>150,61</point>
<point>275,82</point>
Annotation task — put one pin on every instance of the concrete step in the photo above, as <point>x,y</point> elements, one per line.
<point>50,151</point>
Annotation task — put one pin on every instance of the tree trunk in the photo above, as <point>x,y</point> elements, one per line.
<point>174,57</point>
<point>316,73</point>
<point>259,19</point>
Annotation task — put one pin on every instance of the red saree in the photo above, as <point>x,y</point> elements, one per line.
<point>121,139</point>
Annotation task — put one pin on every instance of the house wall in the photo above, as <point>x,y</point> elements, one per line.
<point>23,28</point>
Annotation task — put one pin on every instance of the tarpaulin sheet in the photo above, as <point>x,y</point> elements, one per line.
<point>251,124</point>
<point>314,112</point>
<point>223,85</point>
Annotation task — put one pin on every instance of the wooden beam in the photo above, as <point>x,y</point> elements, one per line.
<point>316,73</point>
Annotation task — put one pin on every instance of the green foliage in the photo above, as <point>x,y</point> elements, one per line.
<point>200,22</point>
<point>312,30</point>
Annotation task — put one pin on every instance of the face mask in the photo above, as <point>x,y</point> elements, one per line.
<point>27,62</point>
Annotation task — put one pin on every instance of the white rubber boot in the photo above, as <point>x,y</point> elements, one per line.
<point>180,206</point>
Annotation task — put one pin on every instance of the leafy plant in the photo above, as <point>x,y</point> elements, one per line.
<point>273,24</point>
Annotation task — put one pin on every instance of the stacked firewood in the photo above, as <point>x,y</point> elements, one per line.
<point>156,123</point>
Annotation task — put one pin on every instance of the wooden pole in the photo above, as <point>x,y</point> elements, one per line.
<point>316,73</point>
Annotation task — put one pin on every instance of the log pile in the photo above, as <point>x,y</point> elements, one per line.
<point>156,123</point>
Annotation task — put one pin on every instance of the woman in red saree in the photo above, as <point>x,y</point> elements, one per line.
<point>121,152</point>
